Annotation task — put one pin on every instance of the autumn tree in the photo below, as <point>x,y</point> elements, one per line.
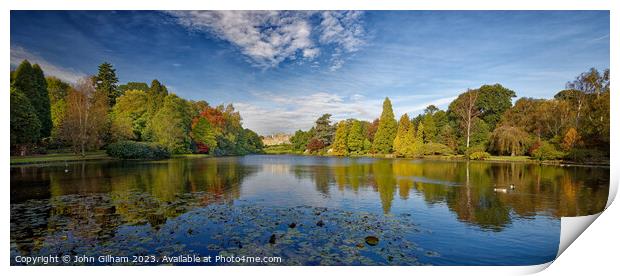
<point>355,138</point>
<point>85,117</point>
<point>414,142</point>
<point>404,124</point>
<point>386,132</point>
<point>315,145</point>
<point>204,134</point>
<point>570,139</point>
<point>339,147</point>
<point>509,139</point>
<point>370,129</point>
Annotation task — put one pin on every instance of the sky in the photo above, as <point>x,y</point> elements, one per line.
<point>283,69</point>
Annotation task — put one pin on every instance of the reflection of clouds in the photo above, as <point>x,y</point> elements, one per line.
<point>277,168</point>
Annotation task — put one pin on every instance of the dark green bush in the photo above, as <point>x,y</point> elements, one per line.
<point>437,149</point>
<point>547,151</point>
<point>136,150</point>
<point>586,155</point>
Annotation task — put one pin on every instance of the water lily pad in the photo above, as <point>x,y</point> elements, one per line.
<point>371,240</point>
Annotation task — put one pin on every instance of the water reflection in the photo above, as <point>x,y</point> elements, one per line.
<point>91,200</point>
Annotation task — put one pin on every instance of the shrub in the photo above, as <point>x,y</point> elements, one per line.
<point>475,148</point>
<point>546,151</point>
<point>315,145</point>
<point>437,149</point>
<point>479,155</point>
<point>136,150</point>
<point>583,155</point>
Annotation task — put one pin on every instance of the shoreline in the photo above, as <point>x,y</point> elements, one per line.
<point>101,155</point>
<point>493,158</point>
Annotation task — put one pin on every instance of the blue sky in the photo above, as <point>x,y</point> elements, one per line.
<point>282,70</point>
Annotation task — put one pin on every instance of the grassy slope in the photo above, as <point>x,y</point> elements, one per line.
<point>58,157</point>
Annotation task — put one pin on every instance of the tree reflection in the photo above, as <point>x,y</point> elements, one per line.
<point>91,200</point>
<point>468,187</point>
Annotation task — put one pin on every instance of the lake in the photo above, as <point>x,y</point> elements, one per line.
<point>306,210</point>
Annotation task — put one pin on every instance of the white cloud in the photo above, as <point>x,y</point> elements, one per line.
<point>18,54</point>
<point>416,108</point>
<point>342,28</point>
<point>268,38</point>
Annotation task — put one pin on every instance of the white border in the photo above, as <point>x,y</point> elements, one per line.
<point>595,252</point>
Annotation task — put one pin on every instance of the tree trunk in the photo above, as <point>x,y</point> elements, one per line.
<point>468,131</point>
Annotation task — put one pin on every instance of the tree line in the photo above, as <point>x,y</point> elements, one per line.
<point>48,113</point>
<point>573,125</point>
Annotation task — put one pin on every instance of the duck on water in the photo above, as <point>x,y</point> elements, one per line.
<point>503,190</point>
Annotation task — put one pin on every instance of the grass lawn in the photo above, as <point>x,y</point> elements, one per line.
<point>279,149</point>
<point>511,158</point>
<point>58,157</point>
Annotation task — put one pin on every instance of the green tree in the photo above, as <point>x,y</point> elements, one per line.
<point>324,130</point>
<point>386,132</point>
<point>57,91</point>
<point>492,102</point>
<point>171,124</point>
<point>133,86</point>
<point>30,81</point>
<point>252,143</point>
<point>355,140</point>
<point>25,126</point>
<point>339,147</point>
<point>129,115</point>
<point>106,82</point>
<point>418,145</point>
<point>404,124</point>
<point>42,101</point>
<point>430,128</point>
<point>157,93</point>
<point>203,132</point>
<point>414,142</point>
<point>300,139</point>
<point>466,111</point>
<point>155,100</point>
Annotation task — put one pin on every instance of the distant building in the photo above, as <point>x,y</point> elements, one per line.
<point>276,139</point>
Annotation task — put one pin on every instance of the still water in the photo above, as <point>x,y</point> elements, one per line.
<point>306,210</point>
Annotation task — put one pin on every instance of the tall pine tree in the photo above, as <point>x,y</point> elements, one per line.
<point>42,101</point>
<point>355,139</point>
<point>25,126</point>
<point>30,81</point>
<point>106,82</point>
<point>339,147</point>
<point>384,138</point>
<point>404,124</point>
